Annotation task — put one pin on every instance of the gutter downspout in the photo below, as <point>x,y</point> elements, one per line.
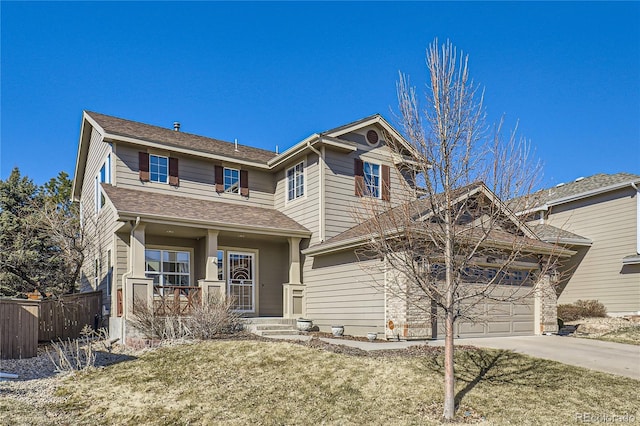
<point>634,186</point>
<point>321,166</point>
<point>124,280</point>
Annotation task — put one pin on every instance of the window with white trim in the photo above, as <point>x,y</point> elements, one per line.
<point>220,265</point>
<point>158,168</point>
<point>371,173</point>
<point>109,272</point>
<point>104,176</point>
<point>295,182</point>
<point>168,267</point>
<point>231,180</point>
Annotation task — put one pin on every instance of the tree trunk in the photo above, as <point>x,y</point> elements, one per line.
<point>449,378</point>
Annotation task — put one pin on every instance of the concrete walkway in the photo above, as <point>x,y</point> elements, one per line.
<point>608,357</point>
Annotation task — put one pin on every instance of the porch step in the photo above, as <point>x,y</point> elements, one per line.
<point>288,332</point>
<point>271,326</point>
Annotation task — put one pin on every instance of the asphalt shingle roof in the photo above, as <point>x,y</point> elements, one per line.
<point>578,187</point>
<point>550,233</point>
<point>171,138</point>
<point>395,219</point>
<point>170,206</point>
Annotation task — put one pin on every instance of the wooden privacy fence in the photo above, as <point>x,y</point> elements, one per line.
<point>18,328</point>
<point>65,318</point>
<point>25,322</point>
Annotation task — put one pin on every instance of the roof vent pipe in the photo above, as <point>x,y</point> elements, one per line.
<point>176,126</point>
<point>236,142</point>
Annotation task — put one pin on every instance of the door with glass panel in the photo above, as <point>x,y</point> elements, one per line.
<point>241,280</point>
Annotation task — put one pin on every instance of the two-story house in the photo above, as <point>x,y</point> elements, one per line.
<point>599,217</point>
<point>172,213</point>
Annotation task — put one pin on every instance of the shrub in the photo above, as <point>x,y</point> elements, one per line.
<point>581,309</point>
<point>212,319</point>
<point>79,354</point>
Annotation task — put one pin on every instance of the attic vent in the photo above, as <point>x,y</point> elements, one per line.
<point>579,179</point>
<point>560,184</point>
<point>372,137</point>
<point>176,126</point>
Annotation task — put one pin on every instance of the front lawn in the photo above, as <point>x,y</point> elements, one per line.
<point>274,382</point>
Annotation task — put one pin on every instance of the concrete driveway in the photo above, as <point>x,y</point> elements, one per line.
<point>609,357</point>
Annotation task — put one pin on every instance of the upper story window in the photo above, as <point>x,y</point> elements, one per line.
<point>158,168</point>
<point>104,176</point>
<point>231,180</point>
<point>295,182</point>
<point>371,179</point>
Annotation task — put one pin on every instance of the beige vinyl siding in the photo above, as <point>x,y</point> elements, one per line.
<point>306,209</point>
<point>341,291</point>
<point>197,179</point>
<point>341,201</point>
<point>98,227</point>
<point>609,220</point>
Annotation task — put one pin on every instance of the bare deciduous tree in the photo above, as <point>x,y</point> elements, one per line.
<point>448,241</point>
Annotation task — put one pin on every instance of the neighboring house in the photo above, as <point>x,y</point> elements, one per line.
<point>175,217</point>
<point>599,217</point>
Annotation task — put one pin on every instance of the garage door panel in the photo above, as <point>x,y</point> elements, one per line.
<point>522,309</point>
<point>494,327</point>
<point>471,329</point>
<point>523,327</point>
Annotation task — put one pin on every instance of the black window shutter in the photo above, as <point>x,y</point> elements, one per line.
<point>143,166</point>
<point>386,183</point>
<point>244,183</point>
<point>174,178</point>
<point>358,172</point>
<point>219,178</point>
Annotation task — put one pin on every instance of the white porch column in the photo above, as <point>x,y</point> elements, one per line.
<point>138,288</point>
<point>294,260</point>
<point>211,271</point>
<point>210,286</point>
<point>293,291</point>
<point>137,251</point>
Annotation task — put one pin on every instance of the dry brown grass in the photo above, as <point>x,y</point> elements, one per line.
<point>264,383</point>
<point>611,329</point>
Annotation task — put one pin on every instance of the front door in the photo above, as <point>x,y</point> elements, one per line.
<point>241,281</point>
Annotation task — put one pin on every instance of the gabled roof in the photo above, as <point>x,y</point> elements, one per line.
<point>113,126</point>
<point>331,138</point>
<point>130,203</point>
<point>422,210</point>
<point>367,121</point>
<point>578,189</point>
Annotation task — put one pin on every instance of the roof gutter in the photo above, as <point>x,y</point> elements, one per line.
<point>569,241</point>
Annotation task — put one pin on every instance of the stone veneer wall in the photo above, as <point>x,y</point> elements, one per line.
<point>547,304</point>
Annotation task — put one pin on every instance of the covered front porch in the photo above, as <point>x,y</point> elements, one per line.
<point>173,253</point>
<point>175,267</point>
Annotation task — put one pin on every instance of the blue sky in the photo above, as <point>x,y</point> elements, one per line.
<point>272,73</point>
